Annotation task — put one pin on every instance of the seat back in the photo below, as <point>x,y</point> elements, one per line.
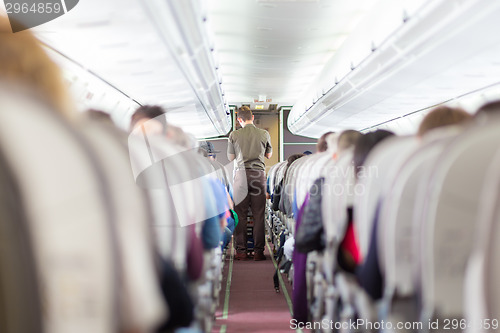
<point>396,216</point>
<point>338,191</point>
<point>170,174</point>
<point>151,174</point>
<point>492,259</point>
<point>68,216</point>
<point>380,166</point>
<point>306,176</point>
<point>483,270</point>
<point>20,294</point>
<point>290,184</point>
<point>310,171</point>
<point>273,175</point>
<point>142,305</point>
<point>280,175</point>
<point>449,217</point>
<point>280,172</point>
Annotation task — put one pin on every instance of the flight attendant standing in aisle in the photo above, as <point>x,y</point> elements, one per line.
<point>249,145</point>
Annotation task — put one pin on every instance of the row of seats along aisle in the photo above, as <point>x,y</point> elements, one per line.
<point>423,211</point>
<point>102,231</point>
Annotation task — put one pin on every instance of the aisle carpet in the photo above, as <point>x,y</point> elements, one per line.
<point>252,305</point>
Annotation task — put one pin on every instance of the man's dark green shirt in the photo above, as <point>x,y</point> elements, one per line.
<point>249,144</point>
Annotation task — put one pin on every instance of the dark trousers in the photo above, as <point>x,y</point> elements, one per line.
<point>250,191</point>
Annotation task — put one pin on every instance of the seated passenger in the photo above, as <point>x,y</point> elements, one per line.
<point>99,117</point>
<point>487,112</point>
<point>322,145</point>
<point>206,148</point>
<point>346,140</point>
<point>442,116</point>
<point>177,297</point>
<point>299,295</point>
<point>23,61</point>
<point>279,187</point>
<point>214,226</point>
<point>151,119</point>
<point>145,113</point>
<point>368,274</point>
<point>310,235</point>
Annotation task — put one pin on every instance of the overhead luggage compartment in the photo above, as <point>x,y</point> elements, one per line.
<point>439,52</point>
<point>152,52</point>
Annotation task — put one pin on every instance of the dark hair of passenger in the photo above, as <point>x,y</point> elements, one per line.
<point>146,112</point>
<point>347,139</point>
<point>99,116</point>
<point>322,146</point>
<point>293,157</point>
<point>307,152</point>
<point>245,113</point>
<point>442,116</point>
<point>365,144</point>
<point>290,160</point>
<point>489,109</point>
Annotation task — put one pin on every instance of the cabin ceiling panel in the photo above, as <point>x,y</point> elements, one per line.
<point>278,44</point>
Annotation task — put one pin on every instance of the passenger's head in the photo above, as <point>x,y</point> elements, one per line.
<point>244,114</point>
<point>442,116</point>
<point>322,145</point>
<point>365,144</point>
<point>488,111</point>
<point>293,157</point>
<point>347,139</point>
<point>99,116</point>
<point>290,160</point>
<point>307,152</point>
<point>145,113</point>
<point>23,61</point>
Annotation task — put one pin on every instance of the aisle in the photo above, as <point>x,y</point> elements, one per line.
<point>248,302</point>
